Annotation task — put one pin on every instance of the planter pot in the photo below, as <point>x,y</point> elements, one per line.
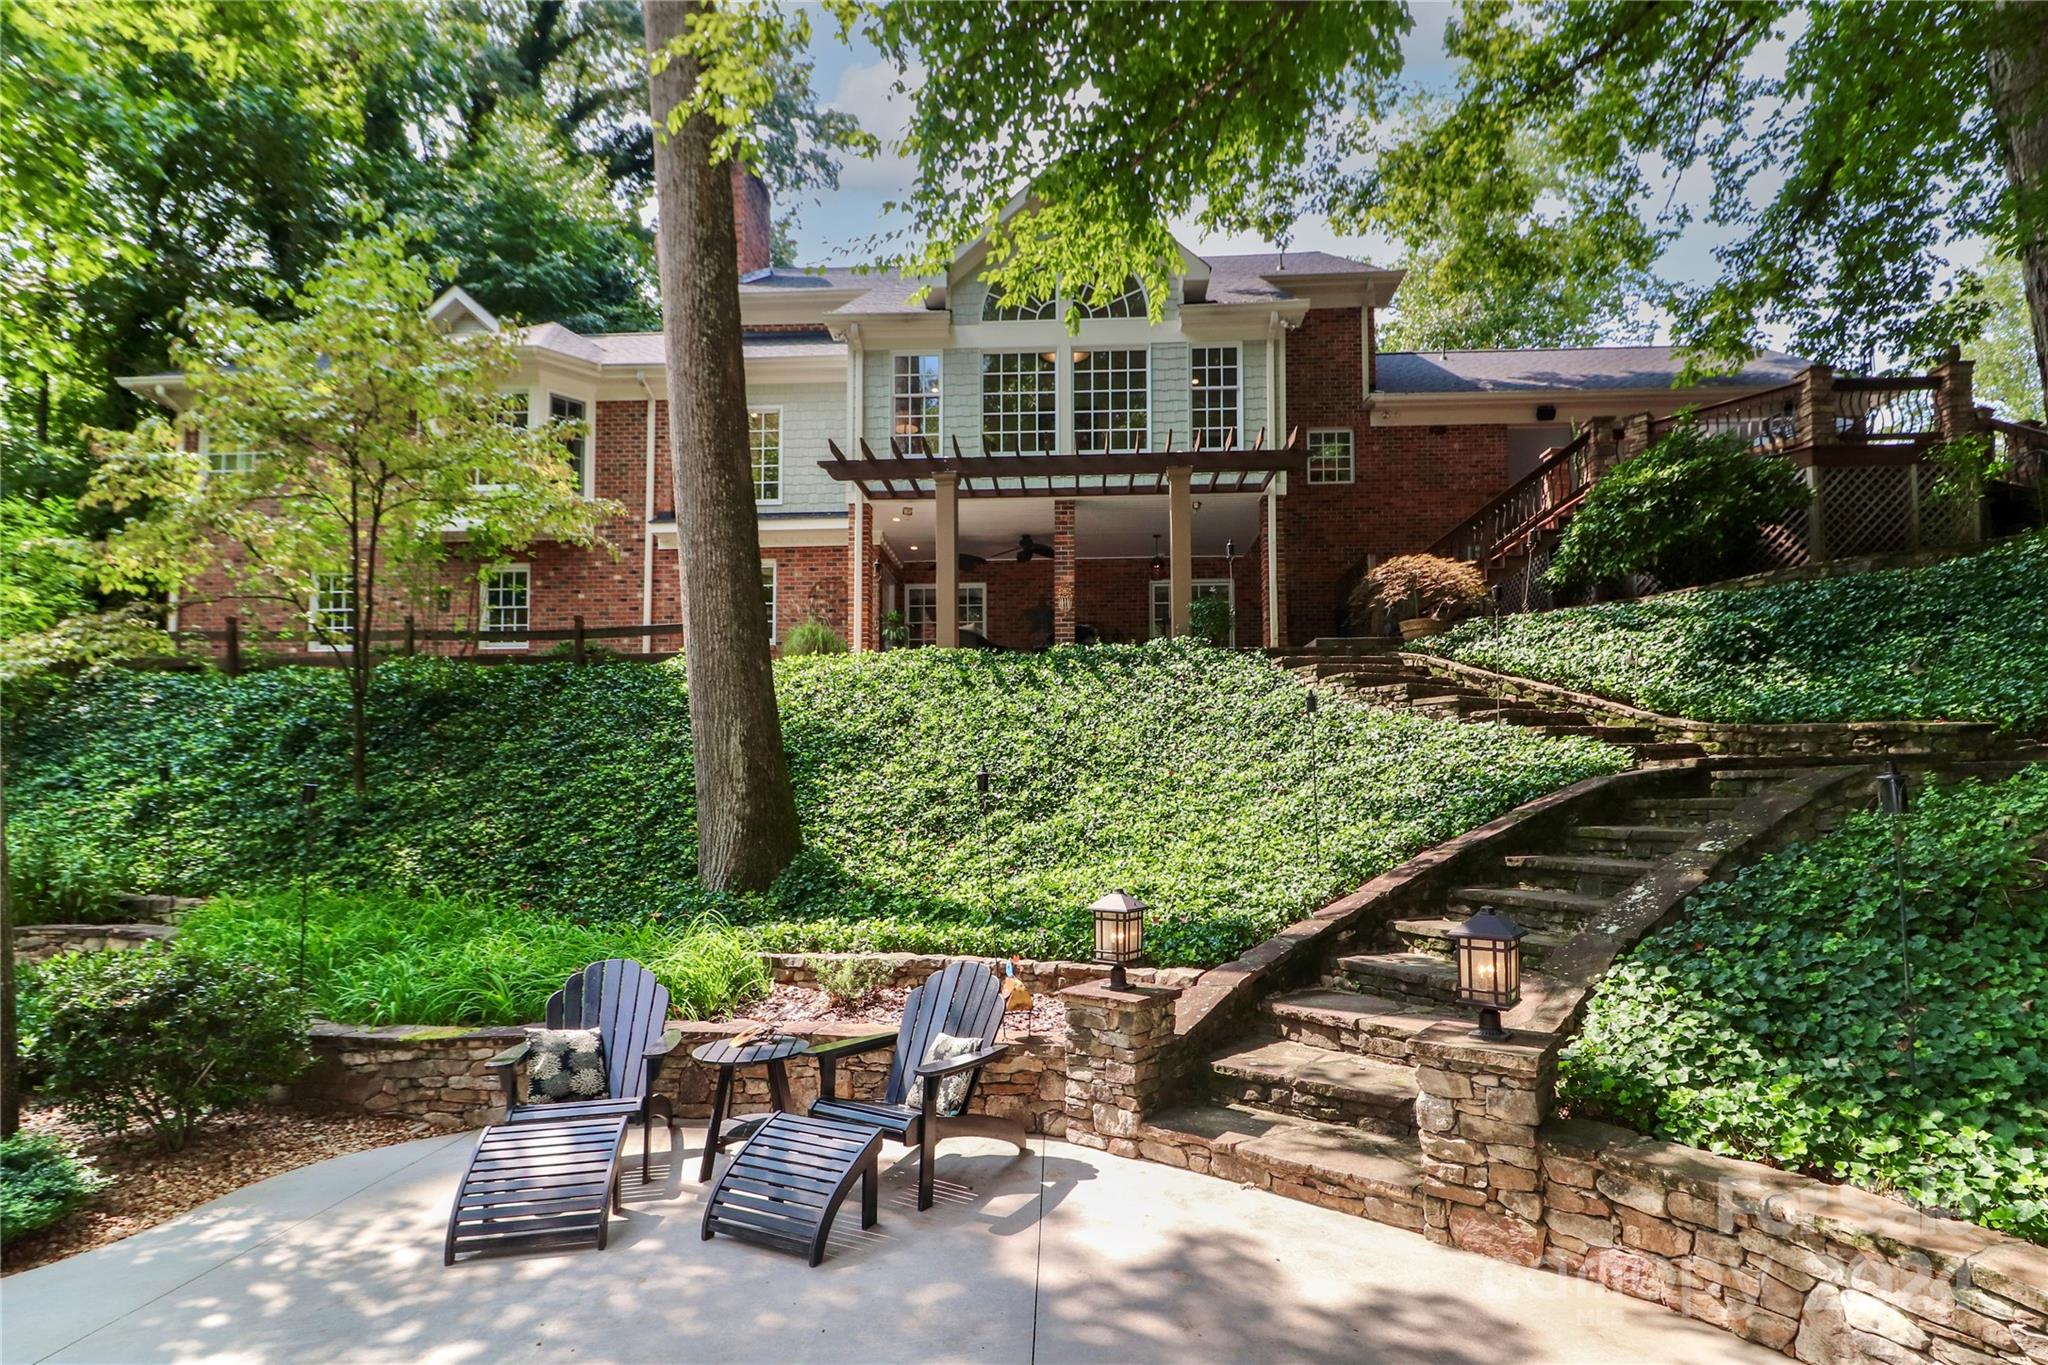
<point>1415,627</point>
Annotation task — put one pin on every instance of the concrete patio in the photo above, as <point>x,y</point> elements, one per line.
<point>1063,1255</point>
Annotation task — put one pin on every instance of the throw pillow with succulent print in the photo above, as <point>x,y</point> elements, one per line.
<point>565,1065</point>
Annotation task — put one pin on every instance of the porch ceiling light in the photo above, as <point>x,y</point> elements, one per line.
<point>1119,934</point>
<point>1158,564</point>
<point>1488,948</point>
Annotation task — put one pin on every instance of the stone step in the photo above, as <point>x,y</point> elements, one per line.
<point>1432,937</point>
<point>1668,751</point>
<point>1359,673</point>
<point>1570,872</point>
<point>1406,976</point>
<point>1651,841</point>
<point>1372,1175</point>
<point>1397,691</point>
<point>1744,782</point>
<point>1532,716</point>
<point>1313,1082</point>
<point>1609,734</point>
<point>1533,907</point>
<point>1685,809</point>
<point>1370,1025</point>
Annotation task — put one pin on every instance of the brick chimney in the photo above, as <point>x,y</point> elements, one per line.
<point>753,228</point>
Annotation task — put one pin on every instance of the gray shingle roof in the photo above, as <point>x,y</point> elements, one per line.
<point>1578,368</point>
<point>646,348</point>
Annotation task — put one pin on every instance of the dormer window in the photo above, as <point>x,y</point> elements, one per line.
<point>1128,304</point>
<point>994,309</point>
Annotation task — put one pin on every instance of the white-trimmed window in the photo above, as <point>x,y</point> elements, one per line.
<point>1112,400</point>
<point>331,617</point>
<point>1129,303</point>
<point>506,599</point>
<point>1214,384</point>
<point>1330,456</point>
<point>994,309</point>
<point>562,409</point>
<point>921,610</point>
<point>768,597</point>
<point>1019,403</point>
<point>764,443</point>
<point>914,403</point>
<point>1162,602</point>
<point>225,461</point>
<point>512,409</point>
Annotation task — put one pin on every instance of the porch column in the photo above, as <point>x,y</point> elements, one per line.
<point>1276,585</point>
<point>946,545</point>
<point>1180,548</point>
<point>1063,571</point>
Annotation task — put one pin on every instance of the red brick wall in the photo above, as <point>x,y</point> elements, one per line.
<point>1412,484</point>
<point>810,584</point>
<point>1111,595</point>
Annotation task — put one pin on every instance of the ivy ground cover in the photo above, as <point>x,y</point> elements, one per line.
<point>1191,776</point>
<point>1772,1019</point>
<point>1966,639</point>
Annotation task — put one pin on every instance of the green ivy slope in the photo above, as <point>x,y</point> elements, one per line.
<point>1188,775</point>
<point>1966,639</point>
<point>1769,1021</point>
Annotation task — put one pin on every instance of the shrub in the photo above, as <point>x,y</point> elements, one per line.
<point>1768,1021</point>
<point>812,637</point>
<point>384,958</point>
<point>1966,639</point>
<point>850,980</point>
<point>55,880</point>
<point>1685,511</point>
<point>42,1180</point>
<point>1209,619</point>
<point>1439,585</point>
<point>164,1036</point>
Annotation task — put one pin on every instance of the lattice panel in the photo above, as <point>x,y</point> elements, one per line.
<point>1783,544</point>
<point>1866,509</point>
<point>1944,521</point>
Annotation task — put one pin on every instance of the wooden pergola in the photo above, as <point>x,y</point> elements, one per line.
<point>913,470</point>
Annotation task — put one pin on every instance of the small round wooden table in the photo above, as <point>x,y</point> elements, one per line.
<point>770,1052</point>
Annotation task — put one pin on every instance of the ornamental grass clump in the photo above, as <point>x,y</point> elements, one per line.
<point>1771,1020</point>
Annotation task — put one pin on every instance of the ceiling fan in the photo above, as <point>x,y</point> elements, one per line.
<point>1027,548</point>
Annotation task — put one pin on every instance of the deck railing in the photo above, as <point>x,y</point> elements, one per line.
<point>1885,410</point>
<point>1767,421</point>
<point>1557,482</point>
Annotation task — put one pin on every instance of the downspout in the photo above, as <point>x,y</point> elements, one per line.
<point>647,523</point>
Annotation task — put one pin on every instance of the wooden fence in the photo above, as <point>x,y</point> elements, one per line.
<point>238,647</point>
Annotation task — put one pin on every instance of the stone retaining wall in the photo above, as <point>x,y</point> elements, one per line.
<point>35,942</point>
<point>910,969</point>
<point>1828,1274</point>
<point>438,1075</point>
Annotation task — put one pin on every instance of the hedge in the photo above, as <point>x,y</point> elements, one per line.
<point>1771,1019</point>
<point>1188,775</point>
<point>1965,639</point>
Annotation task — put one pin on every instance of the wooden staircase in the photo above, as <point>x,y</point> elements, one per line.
<point>1317,1099</point>
<point>1373,672</point>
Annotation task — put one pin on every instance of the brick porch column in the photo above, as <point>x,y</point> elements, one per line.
<point>861,629</point>
<point>1276,571</point>
<point>1063,571</point>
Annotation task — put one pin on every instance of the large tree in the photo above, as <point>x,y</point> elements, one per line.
<point>1846,152</point>
<point>345,442</point>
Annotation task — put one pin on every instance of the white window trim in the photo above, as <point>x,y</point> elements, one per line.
<point>315,643</point>
<point>483,636</point>
<point>938,407</point>
<point>245,460</point>
<point>975,592</point>
<point>1236,392</point>
<point>781,464</point>
<point>585,464</point>
<point>1062,386</point>
<point>774,600</point>
<point>1164,585</point>
<point>1351,443</point>
<point>1074,399</point>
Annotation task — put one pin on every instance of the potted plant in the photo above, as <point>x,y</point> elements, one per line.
<point>1439,587</point>
<point>895,630</point>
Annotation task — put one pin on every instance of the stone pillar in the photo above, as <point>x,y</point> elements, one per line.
<point>1116,1063</point>
<point>946,546</point>
<point>1478,1106</point>
<point>1955,405</point>
<point>1602,449</point>
<point>1063,571</point>
<point>1180,548</point>
<point>1635,436</point>
<point>1817,407</point>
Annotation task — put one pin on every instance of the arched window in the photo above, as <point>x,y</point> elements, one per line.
<point>1129,304</point>
<point>994,309</point>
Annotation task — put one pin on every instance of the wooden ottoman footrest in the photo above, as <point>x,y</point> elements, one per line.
<point>537,1183</point>
<point>787,1183</point>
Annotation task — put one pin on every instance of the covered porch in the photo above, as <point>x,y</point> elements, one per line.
<point>1028,551</point>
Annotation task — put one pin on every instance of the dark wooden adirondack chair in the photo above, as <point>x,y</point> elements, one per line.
<point>964,1000</point>
<point>629,1008</point>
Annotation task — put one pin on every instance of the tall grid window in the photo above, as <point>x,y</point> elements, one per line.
<point>333,614</point>
<point>914,403</point>
<point>507,600</point>
<point>1128,303</point>
<point>1019,412</point>
<point>921,610</point>
<point>512,409</point>
<point>768,596</point>
<point>562,409</point>
<point>1112,409</point>
<point>1162,602</point>
<point>1330,458</point>
<point>764,441</point>
<point>1213,388</point>
<point>995,309</point>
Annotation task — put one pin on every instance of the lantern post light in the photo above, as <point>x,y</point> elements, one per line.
<point>1488,948</point>
<point>308,794</point>
<point>1119,934</point>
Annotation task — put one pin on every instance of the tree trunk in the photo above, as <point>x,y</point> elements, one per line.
<point>10,1058</point>
<point>746,814</point>
<point>2017,67</point>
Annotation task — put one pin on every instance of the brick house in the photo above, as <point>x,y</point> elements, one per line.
<point>922,448</point>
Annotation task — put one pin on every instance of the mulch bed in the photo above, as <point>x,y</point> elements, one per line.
<point>884,1009</point>
<point>152,1186</point>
